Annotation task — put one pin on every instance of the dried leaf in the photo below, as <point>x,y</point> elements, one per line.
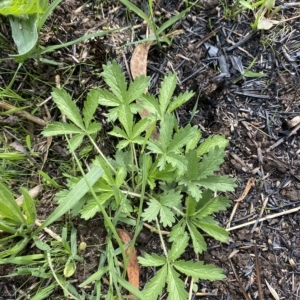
<point>266,24</point>
<point>133,270</point>
<point>272,291</point>
<point>294,122</point>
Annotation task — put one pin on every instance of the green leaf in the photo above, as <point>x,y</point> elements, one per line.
<point>67,106</point>
<point>115,79</point>
<point>178,161</point>
<point>75,141</point>
<point>93,128</point>
<point>178,247</point>
<point>69,268</point>
<point>22,7</point>
<point>192,143</point>
<point>90,106</point>
<point>9,207</point>
<point>166,130</point>
<point>180,100</point>
<point>126,118</point>
<point>25,35</point>
<point>29,207</point>
<point>255,74</point>
<point>176,286</point>
<point>139,127</point>
<point>216,232</point>
<point>149,103</point>
<point>211,162</point>
<point>58,128</point>
<point>177,230</point>
<point>77,192</point>
<point>121,176</point>
<point>152,260</point>
<point>211,142</point>
<point>118,132</point>
<point>166,91</point>
<point>199,270</point>
<point>106,98</point>
<point>212,206</point>
<point>155,286</point>
<point>137,87</point>
<point>218,183</point>
<point>199,244</point>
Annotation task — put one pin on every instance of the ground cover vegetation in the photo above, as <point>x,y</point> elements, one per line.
<point>117,158</point>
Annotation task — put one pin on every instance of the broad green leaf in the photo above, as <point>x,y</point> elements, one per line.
<point>22,7</point>
<point>93,128</point>
<point>205,197</point>
<point>126,118</point>
<point>152,260</point>
<point>199,270</point>
<point>122,144</point>
<point>58,128</point>
<point>28,207</point>
<point>115,79</point>
<point>166,92</point>
<point>177,230</point>
<point>25,35</point>
<point>75,141</point>
<point>155,285</point>
<point>9,207</point>
<point>178,247</point>
<point>191,205</point>
<point>6,227</point>
<point>216,232</point>
<point>69,268</point>
<point>67,106</point>
<point>75,195</point>
<point>181,138</point>
<point>192,166</point>
<point>180,100</point>
<point>178,161</point>
<point>155,147</point>
<point>166,130</point>
<point>212,206</point>
<point>211,162</point>
<point>139,127</point>
<point>211,142</point>
<point>118,132</point>
<point>199,244</point>
<point>150,103</point>
<point>90,106</point>
<point>218,183</point>
<point>106,98</point>
<point>137,87</point>
<point>152,211</point>
<point>192,143</point>
<point>176,286</point>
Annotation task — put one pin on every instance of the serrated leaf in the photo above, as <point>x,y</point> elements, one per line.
<point>216,232</point>
<point>118,132</point>
<point>152,211</point>
<point>58,128</point>
<point>139,127</point>
<point>121,176</point>
<point>166,91</point>
<point>178,161</point>
<point>210,143</point>
<point>176,286</point>
<point>115,79</point>
<point>93,128</point>
<point>90,106</point>
<point>67,106</point>
<point>156,284</point>
<point>178,247</point>
<point>199,244</point>
<point>155,147</point>
<point>152,260</point>
<point>212,206</point>
<point>149,103</point>
<point>106,98</point>
<point>199,270</point>
<point>22,7</point>
<point>122,144</point>
<point>211,162</point>
<point>192,143</point>
<point>166,130</point>
<point>177,230</point>
<point>75,141</point>
<point>126,118</point>
<point>137,87</point>
<point>181,138</point>
<point>180,100</point>
<point>218,183</point>
<point>191,205</point>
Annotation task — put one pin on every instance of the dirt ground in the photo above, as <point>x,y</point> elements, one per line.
<point>208,52</point>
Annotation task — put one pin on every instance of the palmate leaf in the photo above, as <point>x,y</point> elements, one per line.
<point>218,183</point>
<point>156,284</point>
<point>178,161</point>
<point>152,260</point>
<point>199,270</point>
<point>115,79</point>
<point>166,92</point>
<point>67,106</point>
<point>137,87</point>
<point>178,247</point>
<point>216,232</point>
<point>126,118</point>
<point>180,100</point>
<point>139,127</point>
<point>212,206</point>
<point>166,131</point>
<point>211,162</point>
<point>150,103</point>
<point>199,244</point>
<point>58,128</point>
<point>210,143</point>
<point>90,106</point>
<point>176,286</point>
<point>106,98</point>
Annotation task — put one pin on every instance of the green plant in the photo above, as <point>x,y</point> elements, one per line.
<point>169,181</point>
<point>158,32</point>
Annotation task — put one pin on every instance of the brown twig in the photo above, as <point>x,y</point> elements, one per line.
<point>260,294</point>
